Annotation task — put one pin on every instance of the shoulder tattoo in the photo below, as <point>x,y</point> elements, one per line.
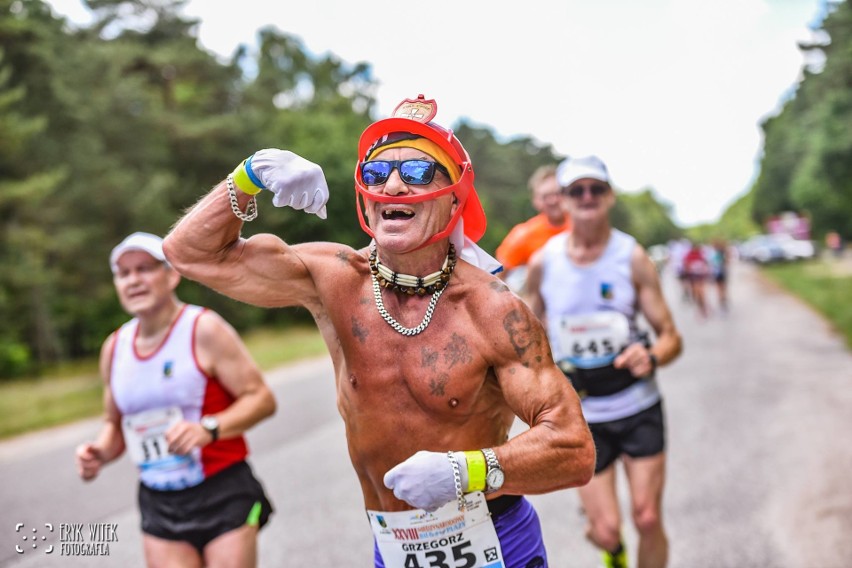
<point>526,338</point>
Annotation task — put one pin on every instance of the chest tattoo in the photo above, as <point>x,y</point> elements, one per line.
<point>428,358</point>
<point>359,331</point>
<point>437,384</point>
<point>457,351</point>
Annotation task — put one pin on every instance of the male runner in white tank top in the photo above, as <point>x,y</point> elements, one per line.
<point>180,389</point>
<point>588,286</point>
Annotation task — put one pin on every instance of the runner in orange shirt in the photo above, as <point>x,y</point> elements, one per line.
<point>527,237</point>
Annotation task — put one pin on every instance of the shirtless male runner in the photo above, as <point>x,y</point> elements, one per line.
<point>433,356</point>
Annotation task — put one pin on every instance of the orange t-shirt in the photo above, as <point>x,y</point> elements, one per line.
<point>526,238</point>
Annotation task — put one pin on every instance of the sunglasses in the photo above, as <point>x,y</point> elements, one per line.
<point>575,191</point>
<point>412,172</point>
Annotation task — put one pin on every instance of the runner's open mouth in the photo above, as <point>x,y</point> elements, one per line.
<point>396,214</point>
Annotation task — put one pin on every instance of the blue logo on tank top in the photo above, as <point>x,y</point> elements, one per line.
<point>606,291</point>
<point>167,369</point>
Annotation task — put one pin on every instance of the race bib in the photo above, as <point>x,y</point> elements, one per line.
<point>589,341</point>
<point>447,538</point>
<point>145,435</point>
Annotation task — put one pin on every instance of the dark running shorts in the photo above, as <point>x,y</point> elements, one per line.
<point>518,530</point>
<point>228,500</point>
<point>639,436</point>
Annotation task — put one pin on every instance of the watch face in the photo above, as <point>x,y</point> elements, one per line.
<point>209,423</point>
<point>495,478</point>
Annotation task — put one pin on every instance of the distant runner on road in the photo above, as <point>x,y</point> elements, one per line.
<point>590,286</point>
<point>525,238</point>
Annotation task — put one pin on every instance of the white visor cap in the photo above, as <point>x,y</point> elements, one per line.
<point>572,169</point>
<point>146,242</point>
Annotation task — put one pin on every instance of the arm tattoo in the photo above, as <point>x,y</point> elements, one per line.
<point>342,256</point>
<point>520,333</point>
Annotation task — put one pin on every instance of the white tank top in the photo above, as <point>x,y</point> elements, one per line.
<point>591,315</point>
<point>156,390</point>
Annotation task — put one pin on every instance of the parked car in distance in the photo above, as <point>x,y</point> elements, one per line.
<point>795,249</point>
<point>779,247</point>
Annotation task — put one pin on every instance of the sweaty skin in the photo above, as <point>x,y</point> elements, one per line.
<point>483,359</point>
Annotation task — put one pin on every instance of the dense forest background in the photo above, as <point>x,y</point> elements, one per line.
<point>122,125</point>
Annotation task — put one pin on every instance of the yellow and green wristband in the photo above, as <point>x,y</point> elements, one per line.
<point>244,178</point>
<point>475,470</point>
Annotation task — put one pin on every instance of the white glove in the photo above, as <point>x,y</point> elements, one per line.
<point>425,480</point>
<point>295,181</point>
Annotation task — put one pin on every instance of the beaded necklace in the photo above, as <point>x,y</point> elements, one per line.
<point>411,285</point>
<point>434,284</point>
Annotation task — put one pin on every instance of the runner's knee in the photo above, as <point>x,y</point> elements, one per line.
<point>647,519</point>
<point>605,533</point>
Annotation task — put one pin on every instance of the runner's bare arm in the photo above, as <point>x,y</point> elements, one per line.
<point>532,293</point>
<point>223,354</point>
<point>109,444</point>
<point>653,306</point>
<point>557,451</point>
<point>205,245</point>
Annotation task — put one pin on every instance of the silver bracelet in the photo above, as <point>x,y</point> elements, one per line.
<point>251,208</point>
<point>457,480</point>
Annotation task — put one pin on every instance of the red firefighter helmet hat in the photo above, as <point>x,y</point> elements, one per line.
<point>414,117</point>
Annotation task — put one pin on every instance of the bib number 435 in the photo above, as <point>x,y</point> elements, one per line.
<point>461,558</point>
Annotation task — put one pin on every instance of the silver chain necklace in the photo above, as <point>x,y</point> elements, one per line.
<point>407,331</point>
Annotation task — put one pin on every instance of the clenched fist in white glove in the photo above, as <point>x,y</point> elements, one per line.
<point>425,480</point>
<point>295,181</point>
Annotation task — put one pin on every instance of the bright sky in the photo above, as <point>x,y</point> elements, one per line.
<point>669,93</point>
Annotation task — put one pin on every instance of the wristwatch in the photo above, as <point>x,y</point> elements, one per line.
<point>654,362</point>
<point>494,476</point>
<point>211,424</point>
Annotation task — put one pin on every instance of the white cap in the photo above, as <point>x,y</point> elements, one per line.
<point>572,169</point>
<point>146,242</point>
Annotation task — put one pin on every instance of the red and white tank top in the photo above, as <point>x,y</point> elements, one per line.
<point>159,389</point>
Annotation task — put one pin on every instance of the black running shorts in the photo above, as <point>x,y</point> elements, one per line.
<point>638,436</point>
<point>224,502</point>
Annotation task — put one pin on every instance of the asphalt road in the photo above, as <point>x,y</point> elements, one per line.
<point>759,408</point>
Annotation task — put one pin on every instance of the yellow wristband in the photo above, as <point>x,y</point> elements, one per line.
<point>243,181</point>
<point>475,470</point>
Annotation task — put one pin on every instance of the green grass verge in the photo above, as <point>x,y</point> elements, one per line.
<point>74,391</point>
<point>824,284</point>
